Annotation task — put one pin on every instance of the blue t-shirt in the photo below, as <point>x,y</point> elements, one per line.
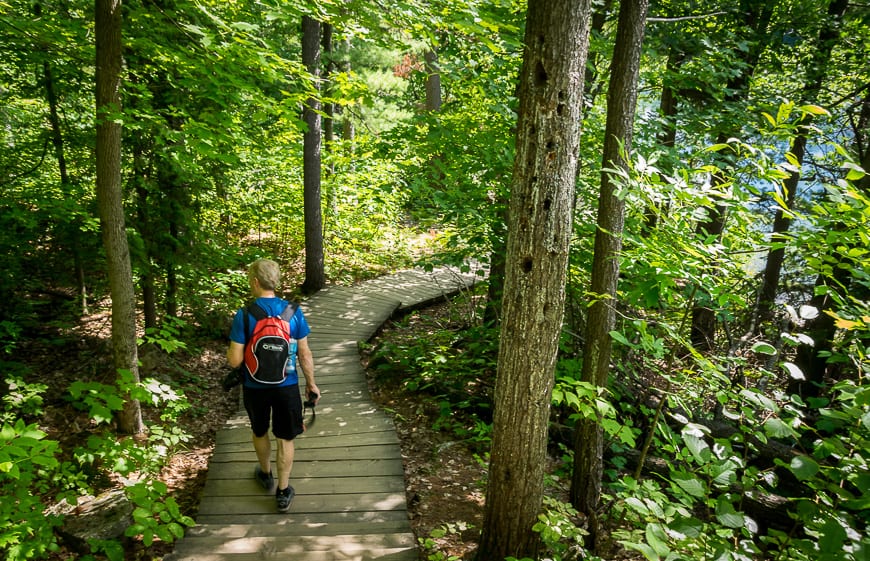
<point>299,329</point>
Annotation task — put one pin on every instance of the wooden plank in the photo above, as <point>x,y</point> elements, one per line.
<point>239,453</point>
<point>314,523</point>
<point>265,503</point>
<point>322,434</point>
<point>291,524</point>
<point>301,544</point>
<point>243,471</point>
<point>346,554</point>
<point>310,486</point>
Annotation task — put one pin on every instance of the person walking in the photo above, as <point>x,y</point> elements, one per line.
<point>277,403</point>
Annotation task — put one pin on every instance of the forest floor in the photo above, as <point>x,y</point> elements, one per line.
<point>444,480</point>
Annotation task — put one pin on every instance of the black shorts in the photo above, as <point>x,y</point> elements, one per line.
<point>283,406</point>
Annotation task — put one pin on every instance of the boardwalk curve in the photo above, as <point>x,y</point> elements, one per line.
<point>348,474</point>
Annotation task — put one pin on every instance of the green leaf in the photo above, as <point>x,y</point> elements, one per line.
<point>833,537</point>
<point>646,550</point>
<point>814,110</point>
<point>176,530</point>
<point>637,505</point>
<point>689,483</point>
<point>727,515</point>
<point>764,348</point>
<point>793,371</point>
<point>803,467</point>
<point>759,399</point>
<point>693,436</point>
<point>774,427</point>
<point>657,539</point>
<point>620,338</point>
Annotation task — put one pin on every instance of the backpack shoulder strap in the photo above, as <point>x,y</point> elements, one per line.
<point>289,311</point>
<point>256,310</point>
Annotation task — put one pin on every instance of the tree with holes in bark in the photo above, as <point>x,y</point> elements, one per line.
<point>539,233</point>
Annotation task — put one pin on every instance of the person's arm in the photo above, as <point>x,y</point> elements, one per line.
<point>236,350</point>
<point>306,364</point>
<point>235,354</point>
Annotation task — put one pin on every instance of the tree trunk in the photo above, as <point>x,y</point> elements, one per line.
<point>433,81</point>
<point>328,107</point>
<point>539,232</point>
<point>495,279</point>
<point>816,71</point>
<point>108,169</point>
<point>667,138</point>
<point>592,85</point>
<point>74,234</point>
<point>621,104</point>
<point>754,20</point>
<point>348,131</point>
<point>315,277</point>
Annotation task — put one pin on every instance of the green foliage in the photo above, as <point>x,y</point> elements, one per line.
<point>588,401</point>
<point>27,463</point>
<point>430,545</point>
<point>155,515</point>
<point>560,534</point>
<point>21,399</point>
<point>453,372</point>
<point>128,455</point>
<point>166,336</point>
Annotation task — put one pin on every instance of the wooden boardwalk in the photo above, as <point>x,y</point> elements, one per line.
<point>348,474</point>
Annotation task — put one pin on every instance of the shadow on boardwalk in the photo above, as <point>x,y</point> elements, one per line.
<point>348,474</point>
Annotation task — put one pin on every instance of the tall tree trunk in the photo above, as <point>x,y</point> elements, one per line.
<point>433,81</point>
<point>621,104</point>
<point>315,277</point>
<point>592,85</point>
<point>667,138</point>
<point>812,359</point>
<point>495,279</point>
<point>754,21</point>
<point>145,227</point>
<point>329,106</point>
<point>348,132</point>
<point>74,235</point>
<point>433,105</point>
<point>108,168</point>
<point>539,233</point>
<point>816,71</point>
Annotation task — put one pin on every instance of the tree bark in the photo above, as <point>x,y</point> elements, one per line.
<point>592,85</point>
<point>329,106</point>
<point>109,199</point>
<point>315,277</point>
<point>621,104</point>
<point>74,233</point>
<point>754,20</point>
<point>433,81</point>
<point>816,71</point>
<point>667,138</point>
<point>539,232</point>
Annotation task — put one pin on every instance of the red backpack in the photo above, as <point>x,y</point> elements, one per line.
<point>271,345</point>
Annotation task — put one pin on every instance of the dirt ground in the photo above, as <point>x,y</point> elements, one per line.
<point>444,481</point>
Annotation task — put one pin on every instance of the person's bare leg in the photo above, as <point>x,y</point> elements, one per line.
<point>263,448</point>
<point>286,451</point>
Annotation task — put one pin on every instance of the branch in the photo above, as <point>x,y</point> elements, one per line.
<point>684,18</point>
<point>15,178</point>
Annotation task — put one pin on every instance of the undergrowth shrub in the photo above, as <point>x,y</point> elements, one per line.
<point>34,474</point>
<point>453,371</point>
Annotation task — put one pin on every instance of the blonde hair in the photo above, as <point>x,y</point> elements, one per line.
<point>266,272</point>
